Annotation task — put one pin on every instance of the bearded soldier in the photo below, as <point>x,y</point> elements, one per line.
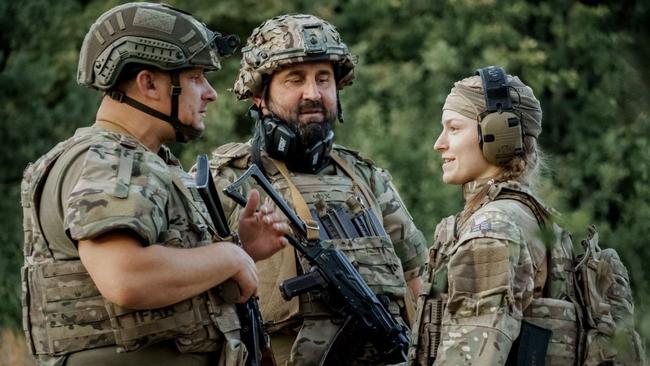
<point>119,251</point>
<point>292,68</point>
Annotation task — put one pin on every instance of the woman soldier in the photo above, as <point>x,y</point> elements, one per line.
<point>487,262</point>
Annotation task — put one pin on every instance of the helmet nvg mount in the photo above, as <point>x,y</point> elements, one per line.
<point>289,39</point>
<point>153,35</point>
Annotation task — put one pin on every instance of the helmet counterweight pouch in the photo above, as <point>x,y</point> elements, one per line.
<point>500,131</point>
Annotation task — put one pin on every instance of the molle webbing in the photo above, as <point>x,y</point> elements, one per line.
<point>562,318</point>
<point>54,331</point>
<point>428,335</point>
<point>77,317</point>
<point>350,172</point>
<point>69,308</point>
<point>196,324</point>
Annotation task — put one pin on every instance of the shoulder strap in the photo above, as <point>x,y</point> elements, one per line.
<point>302,209</point>
<point>540,212</point>
<point>345,166</point>
<point>52,223</point>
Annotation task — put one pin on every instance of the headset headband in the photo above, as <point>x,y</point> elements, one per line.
<point>495,89</point>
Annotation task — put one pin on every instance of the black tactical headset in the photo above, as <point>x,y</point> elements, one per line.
<point>499,127</point>
<point>282,143</point>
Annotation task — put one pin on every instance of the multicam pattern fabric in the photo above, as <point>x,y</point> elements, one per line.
<point>289,39</point>
<point>608,308</point>
<point>484,271</point>
<point>488,268</point>
<point>98,203</point>
<point>382,262</point>
<point>121,185</point>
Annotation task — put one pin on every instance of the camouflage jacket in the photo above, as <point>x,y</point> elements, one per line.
<point>385,264</point>
<point>95,182</point>
<point>483,271</point>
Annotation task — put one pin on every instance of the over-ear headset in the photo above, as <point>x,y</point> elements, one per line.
<point>282,143</point>
<point>499,127</point>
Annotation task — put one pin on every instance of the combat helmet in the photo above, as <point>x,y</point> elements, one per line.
<point>289,39</point>
<point>149,34</point>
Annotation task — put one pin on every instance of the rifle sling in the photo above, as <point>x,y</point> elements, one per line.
<point>299,202</point>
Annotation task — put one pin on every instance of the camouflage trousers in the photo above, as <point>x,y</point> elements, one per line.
<point>314,338</point>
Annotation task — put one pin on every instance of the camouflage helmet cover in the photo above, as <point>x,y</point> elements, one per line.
<point>145,33</point>
<point>289,39</point>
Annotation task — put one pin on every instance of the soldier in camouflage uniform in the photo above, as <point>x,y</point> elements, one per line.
<point>292,68</point>
<point>120,255</point>
<point>488,263</point>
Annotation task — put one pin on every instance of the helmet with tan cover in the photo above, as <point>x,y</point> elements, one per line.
<point>148,34</point>
<point>289,39</point>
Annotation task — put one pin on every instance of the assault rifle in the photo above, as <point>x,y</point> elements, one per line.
<point>347,293</point>
<point>252,333</point>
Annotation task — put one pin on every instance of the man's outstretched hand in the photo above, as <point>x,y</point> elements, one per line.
<point>262,232</point>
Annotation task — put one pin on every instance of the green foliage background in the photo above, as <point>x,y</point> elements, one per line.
<point>586,61</point>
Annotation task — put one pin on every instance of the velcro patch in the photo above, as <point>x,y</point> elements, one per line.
<point>479,268</point>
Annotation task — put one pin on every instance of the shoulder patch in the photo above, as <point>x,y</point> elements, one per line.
<point>481,226</point>
<point>489,222</point>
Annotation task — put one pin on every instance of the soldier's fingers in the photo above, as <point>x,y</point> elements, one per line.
<point>275,217</point>
<point>251,205</point>
<point>269,206</point>
<point>282,228</point>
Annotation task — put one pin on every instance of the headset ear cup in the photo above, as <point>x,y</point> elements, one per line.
<point>279,139</point>
<point>500,137</point>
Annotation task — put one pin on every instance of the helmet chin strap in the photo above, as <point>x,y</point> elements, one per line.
<point>339,109</point>
<point>184,133</point>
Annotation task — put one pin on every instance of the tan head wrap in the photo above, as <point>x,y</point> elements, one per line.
<point>468,99</point>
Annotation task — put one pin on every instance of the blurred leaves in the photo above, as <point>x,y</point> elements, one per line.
<point>586,61</point>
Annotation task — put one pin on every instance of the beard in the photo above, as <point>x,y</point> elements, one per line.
<point>314,129</point>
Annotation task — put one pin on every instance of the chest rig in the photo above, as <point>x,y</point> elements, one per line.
<point>64,312</point>
<point>348,217</point>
